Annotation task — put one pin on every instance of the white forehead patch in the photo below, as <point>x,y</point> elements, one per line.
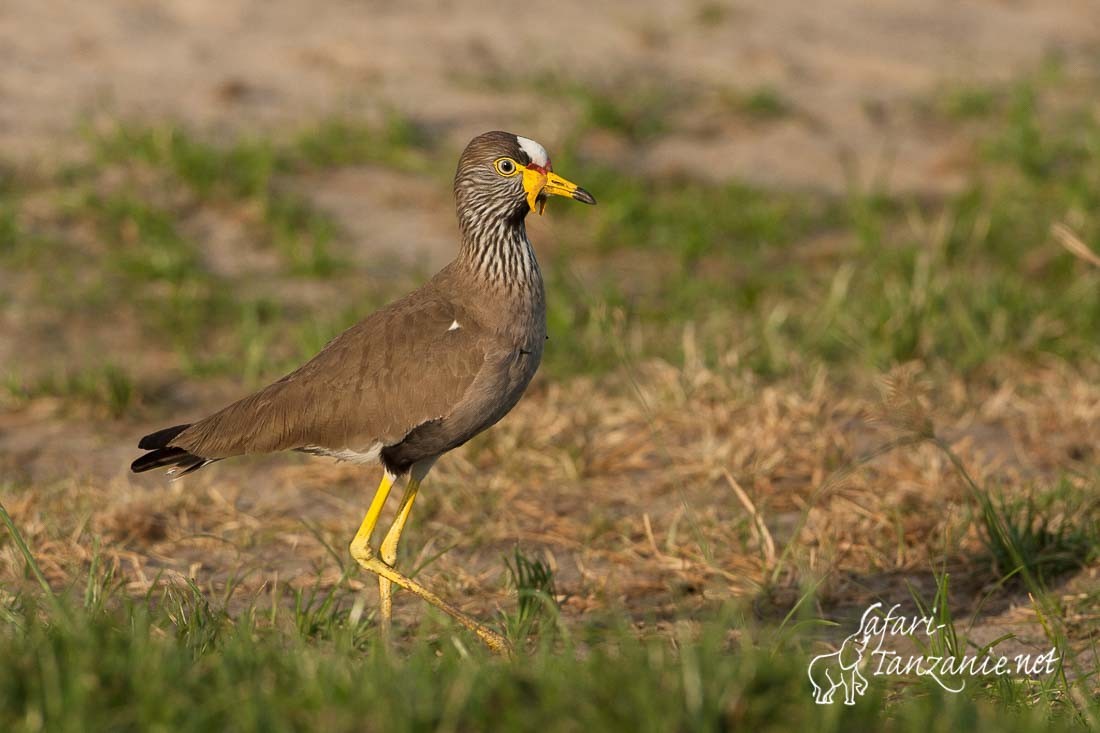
<point>536,152</point>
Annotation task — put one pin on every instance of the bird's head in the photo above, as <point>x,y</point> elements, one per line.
<point>503,176</point>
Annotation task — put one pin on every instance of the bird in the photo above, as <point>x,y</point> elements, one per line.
<point>417,378</point>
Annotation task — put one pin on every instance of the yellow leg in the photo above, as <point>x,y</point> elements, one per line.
<point>388,552</point>
<point>366,532</point>
<point>366,529</point>
<point>382,567</point>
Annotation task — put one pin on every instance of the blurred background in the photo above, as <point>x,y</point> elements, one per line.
<point>797,201</point>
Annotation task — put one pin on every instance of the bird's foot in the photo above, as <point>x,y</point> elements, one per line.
<point>388,574</point>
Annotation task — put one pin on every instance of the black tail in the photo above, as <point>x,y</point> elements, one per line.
<point>161,438</point>
<point>161,454</point>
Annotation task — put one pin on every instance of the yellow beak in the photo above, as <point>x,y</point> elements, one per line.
<point>541,184</point>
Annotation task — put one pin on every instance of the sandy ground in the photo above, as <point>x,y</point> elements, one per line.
<point>852,66</point>
<point>851,69</point>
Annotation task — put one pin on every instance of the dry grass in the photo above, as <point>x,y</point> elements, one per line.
<point>658,492</point>
<point>1073,244</point>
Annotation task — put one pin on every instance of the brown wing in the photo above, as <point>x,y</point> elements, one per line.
<point>396,369</point>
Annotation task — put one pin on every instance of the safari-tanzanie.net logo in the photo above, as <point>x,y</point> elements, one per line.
<point>874,650</point>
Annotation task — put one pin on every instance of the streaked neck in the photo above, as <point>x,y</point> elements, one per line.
<point>499,252</point>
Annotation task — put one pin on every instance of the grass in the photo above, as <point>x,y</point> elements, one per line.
<point>1043,534</point>
<point>108,388</point>
<point>8,230</point>
<point>536,597</point>
<point>962,282</point>
<point>762,104</point>
<point>143,664</point>
<point>122,239</point>
<point>146,669</point>
<point>244,173</point>
<point>398,143</point>
<point>638,109</point>
<point>148,245</point>
<point>97,655</point>
<point>174,660</point>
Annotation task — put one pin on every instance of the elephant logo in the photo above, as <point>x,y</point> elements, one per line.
<point>828,672</point>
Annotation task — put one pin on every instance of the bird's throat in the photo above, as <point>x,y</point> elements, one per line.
<point>501,256</point>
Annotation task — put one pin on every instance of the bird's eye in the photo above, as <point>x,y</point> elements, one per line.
<point>506,166</point>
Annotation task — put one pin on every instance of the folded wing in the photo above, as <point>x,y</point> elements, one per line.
<point>405,365</point>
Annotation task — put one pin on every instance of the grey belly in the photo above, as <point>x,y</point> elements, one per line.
<point>491,397</point>
<point>513,384</point>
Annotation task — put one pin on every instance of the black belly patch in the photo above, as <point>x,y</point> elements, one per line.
<point>427,440</point>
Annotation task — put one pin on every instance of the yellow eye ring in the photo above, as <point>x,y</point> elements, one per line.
<point>506,167</point>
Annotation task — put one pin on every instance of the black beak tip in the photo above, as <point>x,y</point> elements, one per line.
<point>584,197</point>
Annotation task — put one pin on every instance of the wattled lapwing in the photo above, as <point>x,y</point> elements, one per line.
<point>417,378</point>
